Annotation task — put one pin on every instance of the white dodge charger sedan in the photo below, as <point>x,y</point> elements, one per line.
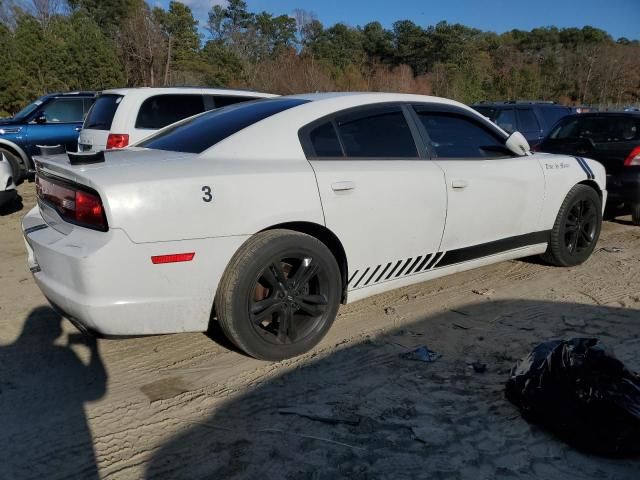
<point>264,216</point>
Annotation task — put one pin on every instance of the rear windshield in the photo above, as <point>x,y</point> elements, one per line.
<point>195,135</point>
<point>101,114</point>
<point>599,129</point>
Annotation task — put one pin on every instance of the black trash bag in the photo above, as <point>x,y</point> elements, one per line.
<point>582,393</point>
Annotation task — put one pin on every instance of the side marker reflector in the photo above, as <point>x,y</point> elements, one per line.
<point>173,258</point>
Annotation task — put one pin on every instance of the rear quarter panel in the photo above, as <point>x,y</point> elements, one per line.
<point>195,197</point>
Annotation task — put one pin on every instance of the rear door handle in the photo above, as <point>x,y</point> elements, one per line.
<point>459,184</point>
<point>343,186</point>
<point>77,129</point>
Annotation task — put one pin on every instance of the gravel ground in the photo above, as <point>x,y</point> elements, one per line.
<point>190,406</point>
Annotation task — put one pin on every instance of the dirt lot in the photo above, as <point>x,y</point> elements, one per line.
<point>189,406</point>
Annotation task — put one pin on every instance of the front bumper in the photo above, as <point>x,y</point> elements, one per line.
<point>624,186</point>
<point>108,284</point>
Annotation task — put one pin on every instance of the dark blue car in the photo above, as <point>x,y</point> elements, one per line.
<point>533,119</point>
<point>53,119</point>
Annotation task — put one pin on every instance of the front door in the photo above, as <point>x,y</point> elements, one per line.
<point>380,196</point>
<point>494,198</point>
<point>63,121</point>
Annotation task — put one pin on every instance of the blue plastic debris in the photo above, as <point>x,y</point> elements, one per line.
<point>421,354</point>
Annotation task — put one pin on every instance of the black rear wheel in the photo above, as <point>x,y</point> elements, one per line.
<point>279,294</point>
<point>576,229</point>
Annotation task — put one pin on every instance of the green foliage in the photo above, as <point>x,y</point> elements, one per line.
<point>108,43</point>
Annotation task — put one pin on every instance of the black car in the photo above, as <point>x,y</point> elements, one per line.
<point>532,119</point>
<point>613,139</point>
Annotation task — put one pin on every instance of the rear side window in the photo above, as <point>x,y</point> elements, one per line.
<point>220,101</point>
<point>506,120</point>
<point>599,129</point>
<point>101,114</point>
<point>195,135</point>
<point>325,141</point>
<point>552,115</point>
<point>527,121</point>
<point>377,133</point>
<point>456,136</point>
<point>162,110</point>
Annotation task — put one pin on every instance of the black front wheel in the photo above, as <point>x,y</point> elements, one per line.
<point>279,295</point>
<point>576,229</point>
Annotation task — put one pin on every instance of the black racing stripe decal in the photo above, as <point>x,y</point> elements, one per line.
<point>491,248</point>
<point>582,164</point>
<point>588,167</point>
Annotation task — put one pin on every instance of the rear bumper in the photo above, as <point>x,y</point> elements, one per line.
<point>108,284</point>
<point>624,187</point>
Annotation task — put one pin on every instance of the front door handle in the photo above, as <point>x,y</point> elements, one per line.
<point>459,184</point>
<point>343,186</point>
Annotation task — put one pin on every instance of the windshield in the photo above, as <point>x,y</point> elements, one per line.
<point>489,112</point>
<point>599,129</point>
<point>199,133</point>
<point>102,112</point>
<point>28,110</point>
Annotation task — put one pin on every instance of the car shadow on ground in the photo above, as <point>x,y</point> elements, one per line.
<point>43,388</point>
<point>11,207</point>
<point>366,411</point>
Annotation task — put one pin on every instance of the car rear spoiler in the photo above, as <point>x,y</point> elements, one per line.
<point>79,158</point>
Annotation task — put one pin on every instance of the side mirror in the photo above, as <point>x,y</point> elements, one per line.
<point>517,144</point>
<point>40,118</point>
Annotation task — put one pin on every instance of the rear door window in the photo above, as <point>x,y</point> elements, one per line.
<point>527,121</point>
<point>457,136</point>
<point>506,120</point>
<point>102,112</point>
<point>195,135</point>
<point>162,110</point>
<point>64,110</point>
<point>377,132</point>
<point>602,129</point>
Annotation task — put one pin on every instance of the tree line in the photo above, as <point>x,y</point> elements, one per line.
<point>58,45</point>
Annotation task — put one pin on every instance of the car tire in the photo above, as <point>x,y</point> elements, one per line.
<point>576,229</point>
<point>15,165</point>
<point>279,294</point>
<point>635,214</point>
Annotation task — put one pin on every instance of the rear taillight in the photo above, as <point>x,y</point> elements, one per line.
<point>74,204</point>
<point>117,140</point>
<point>633,158</point>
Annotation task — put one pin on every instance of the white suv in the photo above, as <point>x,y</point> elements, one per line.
<point>124,116</point>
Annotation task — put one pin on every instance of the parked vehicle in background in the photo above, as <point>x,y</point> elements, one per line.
<point>611,138</point>
<point>267,215</point>
<point>54,119</point>
<point>8,191</point>
<point>124,116</point>
<point>533,119</point>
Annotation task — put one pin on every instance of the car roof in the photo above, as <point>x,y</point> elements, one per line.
<point>151,91</point>
<point>511,103</point>
<point>604,115</point>
<point>70,94</point>
<point>365,98</point>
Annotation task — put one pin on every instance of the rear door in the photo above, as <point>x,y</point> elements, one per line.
<point>97,124</point>
<point>494,198</point>
<point>380,196</point>
<point>64,118</point>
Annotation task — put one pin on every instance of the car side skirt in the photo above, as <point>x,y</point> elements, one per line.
<point>371,281</point>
